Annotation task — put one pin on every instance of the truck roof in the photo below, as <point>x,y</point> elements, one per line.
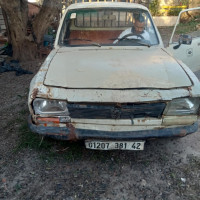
<point>107,4</point>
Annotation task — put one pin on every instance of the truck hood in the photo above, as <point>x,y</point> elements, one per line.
<point>115,69</point>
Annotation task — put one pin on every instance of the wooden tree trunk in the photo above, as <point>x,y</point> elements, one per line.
<point>17,14</point>
<point>49,11</point>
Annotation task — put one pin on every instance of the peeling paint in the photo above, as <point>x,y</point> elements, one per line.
<point>112,134</point>
<point>183,133</point>
<point>34,93</point>
<point>190,91</point>
<point>72,134</point>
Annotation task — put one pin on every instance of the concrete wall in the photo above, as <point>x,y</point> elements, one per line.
<point>165,20</point>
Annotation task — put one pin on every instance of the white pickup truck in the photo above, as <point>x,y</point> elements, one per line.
<point>117,91</point>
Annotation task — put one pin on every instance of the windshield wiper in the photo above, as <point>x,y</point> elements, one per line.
<point>137,41</point>
<point>79,39</point>
<point>96,44</point>
<point>142,42</point>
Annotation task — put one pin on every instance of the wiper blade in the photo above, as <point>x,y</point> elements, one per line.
<point>138,41</point>
<point>144,42</point>
<point>96,44</point>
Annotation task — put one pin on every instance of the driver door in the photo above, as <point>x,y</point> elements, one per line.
<point>185,40</point>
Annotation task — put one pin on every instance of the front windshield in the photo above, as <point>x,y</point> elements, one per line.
<point>107,27</point>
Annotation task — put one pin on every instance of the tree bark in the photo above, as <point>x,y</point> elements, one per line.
<point>50,9</point>
<point>7,26</point>
<point>17,14</point>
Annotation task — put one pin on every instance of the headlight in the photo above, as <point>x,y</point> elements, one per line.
<point>183,106</point>
<point>46,107</point>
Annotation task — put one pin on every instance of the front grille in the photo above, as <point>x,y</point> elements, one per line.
<point>116,111</point>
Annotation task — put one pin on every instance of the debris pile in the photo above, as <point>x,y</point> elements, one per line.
<point>12,65</point>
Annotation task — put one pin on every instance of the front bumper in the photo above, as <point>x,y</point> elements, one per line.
<point>71,133</point>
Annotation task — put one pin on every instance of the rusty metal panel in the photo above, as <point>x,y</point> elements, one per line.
<point>122,122</point>
<point>115,96</point>
<point>74,133</point>
<point>115,111</point>
<point>103,127</point>
<point>38,80</point>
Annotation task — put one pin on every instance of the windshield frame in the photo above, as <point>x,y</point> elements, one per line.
<point>70,11</point>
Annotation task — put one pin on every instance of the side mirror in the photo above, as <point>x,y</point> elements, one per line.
<point>184,39</point>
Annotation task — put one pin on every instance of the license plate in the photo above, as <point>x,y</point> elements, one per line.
<point>111,145</point>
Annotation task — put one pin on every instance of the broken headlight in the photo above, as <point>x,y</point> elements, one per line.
<point>182,106</point>
<point>46,107</point>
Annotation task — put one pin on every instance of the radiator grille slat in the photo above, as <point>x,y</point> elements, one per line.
<point>124,111</point>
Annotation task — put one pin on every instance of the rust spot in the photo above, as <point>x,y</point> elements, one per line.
<point>72,133</point>
<point>39,83</point>
<point>44,96</point>
<point>43,70</point>
<point>158,128</point>
<point>183,133</point>
<point>189,88</point>
<point>49,92</point>
<point>34,93</point>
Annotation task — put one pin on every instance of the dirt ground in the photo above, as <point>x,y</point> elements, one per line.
<point>32,168</point>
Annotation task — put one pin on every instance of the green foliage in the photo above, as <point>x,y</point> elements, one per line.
<point>29,139</point>
<point>154,7</point>
<point>50,149</point>
<point>174,11</point>
<point>185,2</point>
<point>185,28</point>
